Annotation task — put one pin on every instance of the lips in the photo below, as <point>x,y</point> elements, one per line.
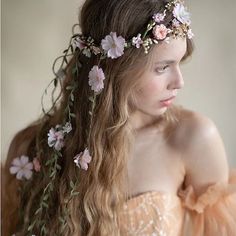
<point>170,98</point>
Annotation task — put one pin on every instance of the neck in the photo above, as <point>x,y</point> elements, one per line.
<point>141,121</point>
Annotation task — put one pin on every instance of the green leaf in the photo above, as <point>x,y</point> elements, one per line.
<point>69,87</point>
<point>62,220</point>
<point>72,97</point>
<point>45,198</point>
<point>51,187</point>
<point>75,194</point>
<point>74,70</point>
<point>53,174</point>
<point>48,162</point>
<point>43,230</point>
<point>91,99</point>
<point>58,167</point>
<point>72,115</point>
<point>37,212</point>
<point>31,226</point>
<point>72,185</point>
<point>45,204</point>
<point>59,154</point>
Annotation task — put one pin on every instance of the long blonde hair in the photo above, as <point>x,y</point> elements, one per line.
<point>102,189</point>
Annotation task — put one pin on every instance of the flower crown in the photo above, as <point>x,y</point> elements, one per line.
<point>112,46</point>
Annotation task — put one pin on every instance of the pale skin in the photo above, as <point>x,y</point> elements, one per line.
<point>193,155</point>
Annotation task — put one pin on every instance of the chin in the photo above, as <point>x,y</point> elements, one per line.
<point>161,111</point>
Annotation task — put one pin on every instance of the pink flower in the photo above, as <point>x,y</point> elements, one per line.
<point>56,139</point>
<point>22,167</point>
<point>96,77</point>
<point>36,164</point>
<point>83,159</point>
<point>158,17</point>
<point>79,43</point>
<point>160,32</point>
<point>181,14</point>
<point>113,45</point>
<point>137,41</point>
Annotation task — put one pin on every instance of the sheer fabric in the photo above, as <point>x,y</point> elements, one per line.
<point>153,213</point>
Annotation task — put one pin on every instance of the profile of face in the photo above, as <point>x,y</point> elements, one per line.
<point>163,80</point>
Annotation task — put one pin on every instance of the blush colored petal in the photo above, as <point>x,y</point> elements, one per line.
<point>28,174</point>
<point>29,166</point>
<point>20,174</point>
<point>24,160</point>
<point>14,169</point>
<point>16,162</point>
<point>84,165</point>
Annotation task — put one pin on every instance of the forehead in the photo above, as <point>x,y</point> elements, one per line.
<point>174,50</point>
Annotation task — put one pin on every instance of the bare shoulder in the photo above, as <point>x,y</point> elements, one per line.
<point>202,149</point>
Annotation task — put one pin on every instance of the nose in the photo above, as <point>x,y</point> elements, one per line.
<point>176,81</point>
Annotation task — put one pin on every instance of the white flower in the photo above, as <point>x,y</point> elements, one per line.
<point>83,159</point>
<point>159,17</point>
<point>181,14</point>
<point>67,127</point>
<point>56,139</point>
<point>96,77</point>
<point>22,167</point>
<point>190,34</point>
<point>87,52</point>
<point>113,45</point>
<point>137,41</point>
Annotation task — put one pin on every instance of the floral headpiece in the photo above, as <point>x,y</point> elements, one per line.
<point>112,46</point>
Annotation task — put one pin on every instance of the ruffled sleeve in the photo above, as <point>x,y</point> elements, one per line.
<point>213,213</point>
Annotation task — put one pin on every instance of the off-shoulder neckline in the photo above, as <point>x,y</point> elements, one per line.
<point>152,193</point>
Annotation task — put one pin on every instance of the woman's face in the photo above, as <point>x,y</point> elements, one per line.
<point>163,80</point>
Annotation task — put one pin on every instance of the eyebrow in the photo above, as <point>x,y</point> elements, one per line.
<point>165,62</point>
<point>169,62</point>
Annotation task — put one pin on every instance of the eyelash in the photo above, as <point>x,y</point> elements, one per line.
<point>162,69</point>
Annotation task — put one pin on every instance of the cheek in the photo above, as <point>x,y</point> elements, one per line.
<point>153,88</point>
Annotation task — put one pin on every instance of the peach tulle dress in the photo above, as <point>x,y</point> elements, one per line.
<point>153,213</point>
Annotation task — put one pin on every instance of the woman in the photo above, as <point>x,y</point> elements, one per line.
<point>114,156</point>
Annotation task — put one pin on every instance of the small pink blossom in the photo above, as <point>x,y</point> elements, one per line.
<point>96,77</point>
<point>79,43</point>
<point>159,17</point>
<point>36,163</point>
<point>137,41</point>
<point>181,14</point>
<point>83,159</point>
<point>160,32</point>
<point>190,34</point>
<point>21,167</point>
<point>56,139</point>
<point>113,45</point>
